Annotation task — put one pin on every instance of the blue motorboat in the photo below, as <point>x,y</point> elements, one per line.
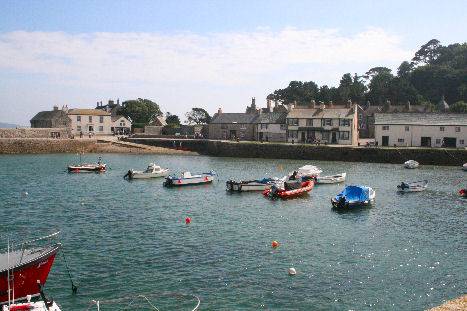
<point>354,196</point>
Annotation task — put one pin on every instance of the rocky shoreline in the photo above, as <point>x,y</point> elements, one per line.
<point>458,304</point>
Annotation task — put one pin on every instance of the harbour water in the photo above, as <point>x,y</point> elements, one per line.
<point>124,238</point>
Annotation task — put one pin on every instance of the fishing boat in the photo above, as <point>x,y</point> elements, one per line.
<point>251,185</point>
<point>354,196</point>
<point>464,167</point>
<point>289,190</point>
<point>309,172</point>
<point>152,171</point>
<point>32,306</point>
<point>186,179</point>
<point>334,179</point>
<point>411,164</point>
<point>88,167</point>
<point>415,186</point>
<point>25,266</point>
<point>463,193</point>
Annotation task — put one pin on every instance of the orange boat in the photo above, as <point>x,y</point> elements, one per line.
<point>285,193</point>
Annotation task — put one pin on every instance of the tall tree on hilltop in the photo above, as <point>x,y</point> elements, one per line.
<point>141,111</point>
<point>427,53</point>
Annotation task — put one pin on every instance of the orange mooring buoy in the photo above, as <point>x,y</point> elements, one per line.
<point>275,244</point>
<point>188,220</point>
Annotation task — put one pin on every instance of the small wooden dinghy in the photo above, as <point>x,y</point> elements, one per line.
<point>287,192</point>
<point>334,179</point>
<point>415,186</point>
<point>186,179</point>
<point>411,164</point>
<point>152,171</point>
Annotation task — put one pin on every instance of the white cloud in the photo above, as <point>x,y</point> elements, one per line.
<point>218,58</point>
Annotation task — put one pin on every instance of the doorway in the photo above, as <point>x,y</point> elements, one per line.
<point>303,137</point>
<point>449,142</point>
<point>334,138</point>
<point>425,142</point>
<point>385,141</point>
<point>233,134</point>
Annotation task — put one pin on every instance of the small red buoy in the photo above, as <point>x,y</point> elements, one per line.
<point>275,244</point>
<point>187,220</point>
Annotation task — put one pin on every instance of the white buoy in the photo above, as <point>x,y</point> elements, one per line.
<point>292,271</point>
<point>25,193</point>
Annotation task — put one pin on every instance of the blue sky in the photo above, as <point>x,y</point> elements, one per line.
<point>210,54</point>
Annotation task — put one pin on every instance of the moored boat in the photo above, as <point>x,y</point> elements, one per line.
<point>464,167</point>
<point>354,196</point>
<point>334,179</point>
<point>32,306</point>
<point>415,186</point>
<point>411,164</point>
<point>251,185</point>
<point>308,172</point>
<point>289,190</point>
<point>88,167</point>
<point>25,267</point>
<point>186,179</point>
<point>152,171</point>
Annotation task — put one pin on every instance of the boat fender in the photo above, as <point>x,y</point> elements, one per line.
<point>275,244</point>
<point>292,271</point>
<point>188,220</point>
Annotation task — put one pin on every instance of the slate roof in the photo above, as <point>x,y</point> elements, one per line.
<point>421,118</point>
<point>230,118</point>
<point>89,112</point>
<point>272,117</point>
<point>49,115</point>
<point>318,113</point>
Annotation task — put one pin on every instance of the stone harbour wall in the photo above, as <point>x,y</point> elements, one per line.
<point>427,156</point>
<point>62,133</point>
<point>34,145</point>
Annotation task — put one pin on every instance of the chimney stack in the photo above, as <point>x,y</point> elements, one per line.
<point>268,105</point>
<point>219,111</point>
<point>407,106</point>
<point>312,104</point>
<point>349,104</point>
<point>118,101</point>
<point>55,108</point>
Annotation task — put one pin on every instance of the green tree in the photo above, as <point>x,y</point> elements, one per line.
<point>458,107</point>
<point>141,111</point>
<point>172,120</point>
<point>198,116</point>
<point>427,53</point>
<point>324,94</point>
<point>404,69</point>
<point>379,87</point>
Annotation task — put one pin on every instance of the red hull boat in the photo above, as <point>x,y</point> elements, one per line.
<point>463,193</point>
<point>306,187</point>
<point>26,268</point>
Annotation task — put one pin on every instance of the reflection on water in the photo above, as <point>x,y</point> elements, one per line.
<point>123,238</point>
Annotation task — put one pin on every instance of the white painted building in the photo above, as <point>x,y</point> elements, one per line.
<point>90,121</point>
<point>421,129</point>
<point>120,125</point>
<point>336,125</point>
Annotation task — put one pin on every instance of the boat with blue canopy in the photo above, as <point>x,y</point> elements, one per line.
<point>354,196</point>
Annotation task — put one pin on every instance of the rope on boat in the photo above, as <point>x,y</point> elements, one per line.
<point>74,288</point>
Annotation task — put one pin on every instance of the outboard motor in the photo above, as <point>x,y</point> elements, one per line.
<point>129,174</point>
<point>341,203</point>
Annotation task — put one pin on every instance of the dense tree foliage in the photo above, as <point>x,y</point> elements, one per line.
<point>198,116</point>
<point>458,107</point>
<point>172,120</point>
<point>140,111</point>
<point>434,71</point>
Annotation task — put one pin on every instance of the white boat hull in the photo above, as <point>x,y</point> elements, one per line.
<point>173,181</point>
<point>464,167</point>
<point>142,175</point>
<point>331,179</point>
<point>411,164</point>
<point>249,187</point>
<point>413,187</point>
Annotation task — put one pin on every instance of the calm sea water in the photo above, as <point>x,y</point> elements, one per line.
<point>124,238</point>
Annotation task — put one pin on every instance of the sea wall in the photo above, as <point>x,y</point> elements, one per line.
<point>62,133</point>
<point>428,156</point>
<point>34,145</point>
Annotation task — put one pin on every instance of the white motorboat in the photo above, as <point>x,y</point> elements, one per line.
<point>186,179</point>
<point>32,306</point>
<point>334,179</point>
<point>464,167</point>
<point>252,185</point>
<point>152,171</point>
<point>309,172</point>
<point>415,186</point>
<point>88,167</point>
<point>411,164</point>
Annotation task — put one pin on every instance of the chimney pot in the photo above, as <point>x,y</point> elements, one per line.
<point>219,111</point>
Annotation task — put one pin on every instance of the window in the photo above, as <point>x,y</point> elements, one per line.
<point>385,127</point>
<point>101,128</point>
<point>325,136</point>
<point>458,128</point>
<point>78,128</point>
<point>309,122</point>
<point>407,128</point>
<point>101,119</point>
<point>344,135</point>
<point>292,121</point>
<point>400,140</point>
<point>264,126</point>
<point>122,123</point>
<point>78,118</point>
<point>283,127</point>
<point>325,122</point>
<point>441,128</point>
<point>90,119</point>
<point>243,127</point>
<point>461,141</point>
<point>344,122</point>
<point>438,141</point>
<point>293,134</point>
